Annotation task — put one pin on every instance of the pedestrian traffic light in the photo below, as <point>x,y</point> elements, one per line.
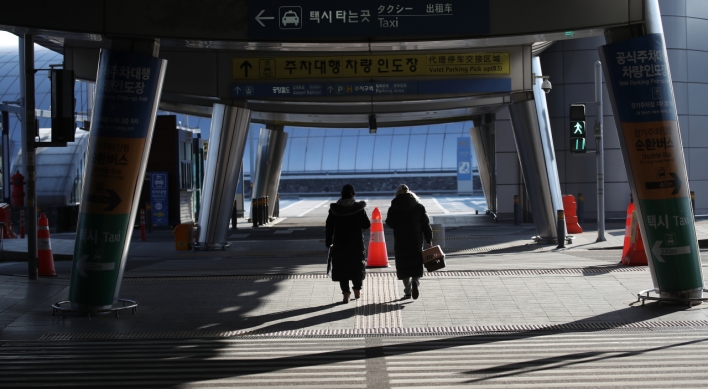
<point>577,128</point>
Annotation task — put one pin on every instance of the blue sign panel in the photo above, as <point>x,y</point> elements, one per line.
<point>464,159</point>
<point>482,85</point>
<point>158,198</point>
<point>269,19</point>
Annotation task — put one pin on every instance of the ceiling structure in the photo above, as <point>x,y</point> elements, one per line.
<point>221,51</point>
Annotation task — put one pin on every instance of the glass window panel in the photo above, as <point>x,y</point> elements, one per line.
<point>247,160</point>
<point>384,131</point>
<point>416,152</point>
<point>330,153</point>
<point>382,152</point>
<point>419,130</point>
<point>433,151</point>
<point>399,152</point>
<point>313,157</point>
<point>365,152</point>
<point>10,69</point>
<point>298,148</point>
<point>9,85</point>
<point>347,153</point>
<point>402,130</point>
<point>297,132</point>
<point>286,156</point>
<point>438,128</point>
<point>449,160</point>
<point>334,132</point>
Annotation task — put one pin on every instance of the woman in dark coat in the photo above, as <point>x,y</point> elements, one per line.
<point>346,220</point>
<point>410,223</point>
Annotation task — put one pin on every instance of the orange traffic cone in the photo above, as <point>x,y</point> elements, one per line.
<point>44,248</point>
<point>633,253</point>
<point>571,217</point>
<point>378,256</point>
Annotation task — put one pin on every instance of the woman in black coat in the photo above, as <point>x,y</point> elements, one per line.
<point>410,223</point>
<point>345,224</point>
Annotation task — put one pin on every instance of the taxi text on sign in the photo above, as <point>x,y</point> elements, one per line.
<point>368,66</point>
<point>639,81</point>
<point>126,98</point>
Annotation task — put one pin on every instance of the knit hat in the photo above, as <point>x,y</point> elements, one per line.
<point>348,191</point>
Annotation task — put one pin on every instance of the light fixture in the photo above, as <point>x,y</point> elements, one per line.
<point>372,124</point>
<point>545,85</point>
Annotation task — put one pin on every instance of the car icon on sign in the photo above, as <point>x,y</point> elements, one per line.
<point>290,17</point>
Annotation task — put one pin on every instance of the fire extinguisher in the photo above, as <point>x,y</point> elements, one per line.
<point>18,190</point>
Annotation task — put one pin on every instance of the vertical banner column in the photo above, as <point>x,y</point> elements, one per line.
<point>642,97</point>
<point>128,89</point>
<point>464,166</point>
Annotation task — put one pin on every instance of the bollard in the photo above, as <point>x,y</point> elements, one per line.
<point>142,225</point>
<point>148,216</point>
<point>517,210</point>
<point>693,202</point>
<point>276,210</point>
<point>266,216</point>
<point>254,214</point>
<point>560,228</point>
<point>22,224</point>
<point>581,208</point>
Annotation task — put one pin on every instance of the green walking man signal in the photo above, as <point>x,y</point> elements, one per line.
<point>577,128</point>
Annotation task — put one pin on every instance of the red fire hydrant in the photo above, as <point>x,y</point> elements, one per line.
<point>18,190</point>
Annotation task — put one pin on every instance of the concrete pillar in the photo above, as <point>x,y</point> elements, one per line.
<point>535,147</point>
<point>227,141</point>
<point>648,130</point>
<point>484,143</point>
<point>128,90</point>
<point>269,161</point>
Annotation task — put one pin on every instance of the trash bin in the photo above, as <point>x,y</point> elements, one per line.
<point>183,236</point>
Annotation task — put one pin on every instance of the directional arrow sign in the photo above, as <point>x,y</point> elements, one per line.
<point>675,183</point>
<point>259,18</point>
<point>112,199</point>
<point>659,251</point>
<point>245,66</point>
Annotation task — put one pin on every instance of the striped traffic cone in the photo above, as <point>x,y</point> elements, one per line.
<point>633,253</point>
<point>44,248</point>
<point>377,256</point>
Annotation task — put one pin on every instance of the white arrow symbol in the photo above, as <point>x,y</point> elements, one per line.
<point>238,90</point>
<point>659,252</point>
<point>259,18</point>
<point>82,266</point>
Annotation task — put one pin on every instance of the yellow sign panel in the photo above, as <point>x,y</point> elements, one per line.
<point>114,174</point>
<point>655,154</point>
<point>353,66</point>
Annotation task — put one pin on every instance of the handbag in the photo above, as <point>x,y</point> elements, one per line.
<point>433,258</point>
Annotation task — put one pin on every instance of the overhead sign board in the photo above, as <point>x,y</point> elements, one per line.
<point>353,66</point>
<point>274,19</point>
<point>433,87</point>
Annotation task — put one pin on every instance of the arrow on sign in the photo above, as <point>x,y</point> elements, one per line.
<point>112,199</point>
<point>259,18</point>
<point>676,183</point>
<point>659,252</point>
<point>245,66</point>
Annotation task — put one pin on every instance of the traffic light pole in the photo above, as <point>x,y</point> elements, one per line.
<point>599,153</point>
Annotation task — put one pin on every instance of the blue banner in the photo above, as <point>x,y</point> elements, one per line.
<point>270,19</point>
<point>159,198</point>
<point>464,159</point>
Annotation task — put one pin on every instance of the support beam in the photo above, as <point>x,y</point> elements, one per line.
<point>227,141</point>
<point>483,136</point>
<point>269,161</point>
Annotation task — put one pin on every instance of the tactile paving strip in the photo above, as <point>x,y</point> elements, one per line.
<point>701,325</point>
<point>378,306</point>
<point>440,274</point>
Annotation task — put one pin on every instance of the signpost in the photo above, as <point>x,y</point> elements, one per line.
<point>159,199</point>
<point>128,90</point>
<point>371,66</point>
<point>640,86</point>
<point>270,19</point>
